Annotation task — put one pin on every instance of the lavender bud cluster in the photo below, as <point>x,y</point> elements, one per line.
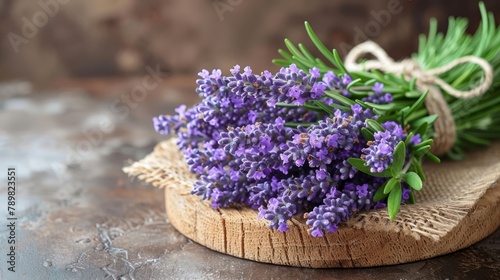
<point>238,142</point>
<point>378,97</point>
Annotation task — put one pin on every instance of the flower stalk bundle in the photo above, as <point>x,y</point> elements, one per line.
<point>326,139</point>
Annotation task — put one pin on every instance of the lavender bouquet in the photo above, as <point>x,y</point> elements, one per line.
<point>326,139</point>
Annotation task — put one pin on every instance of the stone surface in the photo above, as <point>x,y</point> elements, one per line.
<point>80,217</point>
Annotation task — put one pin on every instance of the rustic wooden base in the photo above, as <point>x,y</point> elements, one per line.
<point>459,205</point>
<point>238,232</point>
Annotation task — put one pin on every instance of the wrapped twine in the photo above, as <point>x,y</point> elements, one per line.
<point>427,80</point>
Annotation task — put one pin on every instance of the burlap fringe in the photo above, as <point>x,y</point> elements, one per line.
<point>451,191</point>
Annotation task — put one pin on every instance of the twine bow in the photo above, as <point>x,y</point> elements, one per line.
<point>426,80</point>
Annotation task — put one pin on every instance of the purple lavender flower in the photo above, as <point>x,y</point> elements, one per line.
<point>224,186</point>
<point>307,187</point>
<point>378,97</point>
<point>396,131</point>
<point>333,139</point>
<point>406,194</point>
<point>234,101</point>
<point>260,193</point>
<point>346,170</point>
<point>379,153</point>
<point>237,141</point>
<point>415,139</point>
<point>290,85</point>
<point>259,148</point>
<point>338,84</point>
<point>340,204</point>
<point>294,86</point>
<point>278,212</point>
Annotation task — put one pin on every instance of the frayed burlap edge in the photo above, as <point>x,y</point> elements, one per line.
<point>451,191</point>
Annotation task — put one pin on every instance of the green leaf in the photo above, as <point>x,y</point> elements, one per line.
<point>340,107</point>
<point>286,105</point>
<point>399,157</point>
<point>394,201</point>
<point>429,119</point>
<point>412,85</point>
<point>323,106</point>
<point>367,135</point>
<point>390,185</point>
<point>351,84</point>
<point>412,197</point>
<point>386,117</point>
<point>302,63</point>
<point>359,164</point>
<point>420,101</point>
<point>379,194</point>
<point>293,50</point>
<point>423,144</point>
<point>320,46</point>
<point>322,65</point>
<point>408,138</point>
<point>285,55</point>
<point>395,105</point>
<point>421,151</point>
<point>340,98</point>
<point>416,163</point>
<point>381,77</point>
<point>339,61</point>
<point>476,140</point>
<point>422,129</point>
<point>382,107</point>
<point>281,62</point>
<point>393,90</point>
<point>294,124</point>
<point>374,125</point>
<point>433,157</point>
<point>413,180</point>
<point>379,112</point>
<point>306,53</point>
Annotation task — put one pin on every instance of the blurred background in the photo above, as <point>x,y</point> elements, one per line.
<point>49,41</point>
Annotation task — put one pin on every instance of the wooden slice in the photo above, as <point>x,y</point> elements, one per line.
<point>459,205</point>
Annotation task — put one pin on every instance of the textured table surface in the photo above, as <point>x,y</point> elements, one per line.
<point>80,217</point>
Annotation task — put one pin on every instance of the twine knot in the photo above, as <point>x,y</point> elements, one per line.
<point>426,80</point>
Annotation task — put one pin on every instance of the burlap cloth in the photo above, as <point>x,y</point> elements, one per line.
<point>453,191</point>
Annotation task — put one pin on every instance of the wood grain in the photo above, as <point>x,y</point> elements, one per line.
<point>459,206</point>
<point>238,232</point>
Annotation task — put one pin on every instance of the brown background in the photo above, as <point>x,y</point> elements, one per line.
<point>120,37</point>
<point>79,215</point>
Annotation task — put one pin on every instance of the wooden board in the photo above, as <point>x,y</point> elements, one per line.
<point>459,205</point>
<point>238,232</point>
